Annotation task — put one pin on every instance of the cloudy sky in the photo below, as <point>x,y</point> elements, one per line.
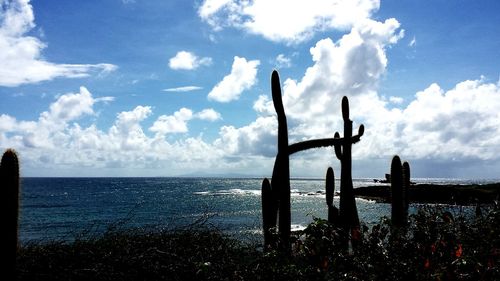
<point>166,88</point>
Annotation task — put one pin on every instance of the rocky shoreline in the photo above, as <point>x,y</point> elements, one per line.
<point>433,193</point>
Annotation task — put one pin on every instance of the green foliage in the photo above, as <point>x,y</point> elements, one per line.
<point>437,245</point>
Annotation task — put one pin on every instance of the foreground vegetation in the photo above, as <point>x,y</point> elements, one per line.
<point>437,245</point>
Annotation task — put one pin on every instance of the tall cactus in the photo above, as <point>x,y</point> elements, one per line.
<point>280,181</point>
<point>9,212</point>
<point>348,211</point>
<point>333,212</point>
<point>398,216</point>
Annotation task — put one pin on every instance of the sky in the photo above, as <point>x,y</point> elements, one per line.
<point>182,88</point>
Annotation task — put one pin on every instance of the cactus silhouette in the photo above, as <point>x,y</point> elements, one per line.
<point>348,212</point>
<point>333,212</point>
<point>269,212</point>
<point>406,186</point>
<point>397,198</point>
<point>280,181</point>
<point>9,204</point>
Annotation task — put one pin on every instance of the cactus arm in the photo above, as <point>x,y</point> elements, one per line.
<point>406,186</point>
<point>338,148</point>
<point>304,145</point>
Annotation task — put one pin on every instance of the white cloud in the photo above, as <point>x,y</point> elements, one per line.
<point>351,66</point>
<point>257,138</point>
<point>21,58</point>
<point>282,61</point>
<point>396,100</point>
<point>183,89</point>
<point>176,123</point>
<point>263,105</point>
<point>188,61</point>
<point>298,20</point>
<point>57,142</point>
<point>242,77</point>
<point>462,123</point>
<point>209,114</point>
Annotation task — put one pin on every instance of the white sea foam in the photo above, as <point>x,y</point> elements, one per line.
<point>233,191</point>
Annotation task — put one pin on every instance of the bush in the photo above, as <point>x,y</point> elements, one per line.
<point>436,245</point>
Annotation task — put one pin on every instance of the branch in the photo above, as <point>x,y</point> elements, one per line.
<point>303,145</point>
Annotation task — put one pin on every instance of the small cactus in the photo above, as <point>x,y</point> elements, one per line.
<point>9,204</point>
<point>269,212</point>
<point>397,198</point>
<point>406,186</point>
<point>333,212</point>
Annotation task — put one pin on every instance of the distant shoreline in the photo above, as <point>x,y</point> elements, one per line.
<point>470,194</point>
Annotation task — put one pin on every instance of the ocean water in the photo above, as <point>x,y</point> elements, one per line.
<point>63,209</point>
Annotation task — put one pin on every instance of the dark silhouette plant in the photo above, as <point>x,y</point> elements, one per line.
<point>269,212</point>
<point>400,186</point>
<point>333,212</point>
<point>9,212</point>
<point>406,186</point>
<point>278,193</point>
<point>348,213</point>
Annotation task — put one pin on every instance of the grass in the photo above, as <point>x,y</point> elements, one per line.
<point>436,245</point>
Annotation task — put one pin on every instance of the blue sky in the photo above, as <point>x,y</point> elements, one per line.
<point>167,88</point>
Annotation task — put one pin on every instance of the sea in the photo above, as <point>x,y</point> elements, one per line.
<point>65,209</point>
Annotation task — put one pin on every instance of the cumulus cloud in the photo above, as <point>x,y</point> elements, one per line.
<point>298,20</point>
<point>461,123</point>
<point>257,138</point>
<point>209,114</point>
<point>188,61</point>
<point>242,77</point>
<point>21,58</point>
<point>57,141</point>
<point>176,123</point>
<point>351,66</point>
<point>183,89</point>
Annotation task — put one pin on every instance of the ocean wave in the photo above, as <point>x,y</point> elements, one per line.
<point>233,191</point>
<point>255,192</point>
